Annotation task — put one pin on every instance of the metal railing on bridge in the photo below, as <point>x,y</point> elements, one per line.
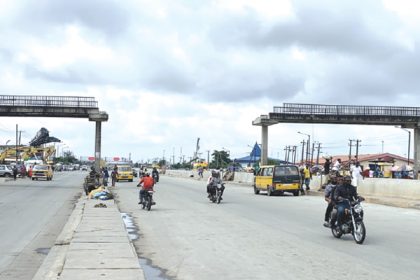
<point>48,101</point>
<point>348,110</point>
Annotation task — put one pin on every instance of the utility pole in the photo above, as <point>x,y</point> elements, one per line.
<point>308,151</point>
<point>317,155</point>
<point>286,153</point>
<point>303,150</point>
<point>350,145</point>
<point>16,143</point>
<point>294,154</point>
<point>173,155</point>
<point>312,153</point>
<point>357,149</point>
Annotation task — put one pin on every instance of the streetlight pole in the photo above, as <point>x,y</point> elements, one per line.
<point>409,143</point>
<point>307,145</point>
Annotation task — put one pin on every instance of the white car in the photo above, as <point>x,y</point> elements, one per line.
<point>6,170</point>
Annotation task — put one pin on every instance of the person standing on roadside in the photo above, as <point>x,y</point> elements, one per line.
<point>105,176</point>
<point>15,172</point>
<point>114,174</point>
<point>337,166</point>
<point>356,174</point>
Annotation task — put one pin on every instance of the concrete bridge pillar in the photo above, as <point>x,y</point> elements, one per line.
<point>416,167</point>
<point>98,138</point>
<point>98,118</point>
<point>264,145</point>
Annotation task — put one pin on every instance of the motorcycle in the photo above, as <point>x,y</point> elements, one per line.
<point>155,177</point>
<point>148,200</point>
<point>216,194</point>
<point>352,223</point>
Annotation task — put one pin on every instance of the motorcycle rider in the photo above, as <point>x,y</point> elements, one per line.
<point>329,190</point>
<point>155,174</point>
<point>212,183</point>
<point>146,183</point>
<point>343,195</point>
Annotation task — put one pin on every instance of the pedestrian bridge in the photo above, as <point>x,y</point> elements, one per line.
<point>342,114</point>
<point>56,107</point>
<point>51,106</point>
<point>406,117</point>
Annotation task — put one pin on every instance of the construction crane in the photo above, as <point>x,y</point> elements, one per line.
<point>26,152</point>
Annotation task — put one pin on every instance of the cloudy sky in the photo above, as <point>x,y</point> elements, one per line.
<point>169,72</point>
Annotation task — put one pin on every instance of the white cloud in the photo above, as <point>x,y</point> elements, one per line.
<point>168,73</point>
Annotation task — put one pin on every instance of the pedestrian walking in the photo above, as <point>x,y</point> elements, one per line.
<point>307,176</point>
<point>200,172</point>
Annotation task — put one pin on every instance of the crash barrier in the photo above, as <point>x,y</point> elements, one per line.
<point>375,187</point>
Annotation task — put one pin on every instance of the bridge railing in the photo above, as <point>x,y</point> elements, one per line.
<point>48,101</point>
<point>352,110</point>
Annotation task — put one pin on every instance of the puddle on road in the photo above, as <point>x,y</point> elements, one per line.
<point>150,272</point>
<point>43,251</point>
<point>130,226</point>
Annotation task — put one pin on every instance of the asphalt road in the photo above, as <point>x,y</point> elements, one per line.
<point>252,236</point>
<point>32,214</point>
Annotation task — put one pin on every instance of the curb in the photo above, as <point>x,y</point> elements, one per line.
<point>53,264</point>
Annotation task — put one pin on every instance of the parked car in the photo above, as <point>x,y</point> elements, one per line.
<point>6,170</point>
<point>84,168</point>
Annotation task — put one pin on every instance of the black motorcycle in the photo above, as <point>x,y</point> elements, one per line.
<point>155,177</point>
<point>148,200</point>
<point>216,193</point>
<point>352,223</point>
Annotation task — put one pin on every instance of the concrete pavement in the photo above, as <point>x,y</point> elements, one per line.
<point>94,244</point>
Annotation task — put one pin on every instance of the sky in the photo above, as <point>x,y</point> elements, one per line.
<point>170,72</point>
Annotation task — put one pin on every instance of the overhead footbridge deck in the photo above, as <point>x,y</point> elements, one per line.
<point>406,117</point>
<point>56,107</point>
<point>50,106</point>
<point>342,114</point>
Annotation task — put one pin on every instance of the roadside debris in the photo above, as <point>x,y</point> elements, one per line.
<point>100,205</point>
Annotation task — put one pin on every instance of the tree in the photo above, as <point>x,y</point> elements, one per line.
<point>68,157</point>
<point>162,162</point>
<point>220,159</point>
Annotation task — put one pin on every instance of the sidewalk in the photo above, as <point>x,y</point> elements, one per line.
<point>94,244</point>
